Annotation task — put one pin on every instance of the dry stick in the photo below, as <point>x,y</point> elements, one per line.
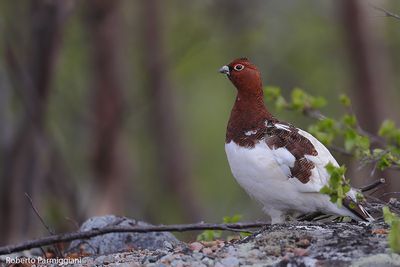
<point>58,252</point>
<point>53,239</point>
<point>38,215</point>
<point>387,12</point>
<point>375,184</point>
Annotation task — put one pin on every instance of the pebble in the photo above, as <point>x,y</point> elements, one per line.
<point>230,262</point>
<point>303,243</point>
<point>207,261</point>
<point>207,251</point>
<point>196,246</point>
<point>197,255</point>
<point>300,252</point>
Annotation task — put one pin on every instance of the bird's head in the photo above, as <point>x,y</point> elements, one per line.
<point>244,75</point>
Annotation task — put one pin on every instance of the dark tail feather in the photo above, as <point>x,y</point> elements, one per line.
<point>357,209</point>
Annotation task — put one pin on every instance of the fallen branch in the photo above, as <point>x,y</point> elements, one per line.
<point>66,237</point>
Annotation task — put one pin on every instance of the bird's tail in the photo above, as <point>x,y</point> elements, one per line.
<point>357,209</point>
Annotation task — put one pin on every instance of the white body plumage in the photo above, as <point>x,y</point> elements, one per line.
<point>263,172</point>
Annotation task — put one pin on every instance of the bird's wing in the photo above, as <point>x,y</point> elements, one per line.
<point>303,159</point>
<point>300,156</point>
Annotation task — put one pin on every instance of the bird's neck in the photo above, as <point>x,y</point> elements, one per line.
<point>249,113</point>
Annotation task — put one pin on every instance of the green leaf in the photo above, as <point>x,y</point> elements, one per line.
<point>317,102</point>
<point>209,235</point>
<point>299,99</point>
<point>281,103</point>
<point>350,137</point>
<point>356,143</point>
<point>349,120</point>
<point>359,197</point>
<point>325,190</point>
<point>234,219</point>
<point>272,92</point>
<point>394,234</point>
<point>384,162</point>
<point>337,186</point>
<point>387,127</point>
<point>324,130</point>
<point>388,216</point>
<point>345,100</point>
<point>389,131</point>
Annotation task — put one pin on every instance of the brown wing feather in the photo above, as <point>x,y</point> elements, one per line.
<point>297,145</point>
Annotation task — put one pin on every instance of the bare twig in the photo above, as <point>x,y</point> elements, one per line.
<point>57,251</point>
<point>66,237</point>
<point>38,215</point>
<point>375,184</point>
<point>340,150</point>
<point>73,222</point>
<point>386,12</point>
<point>388,194</point>
<point>314,113</point>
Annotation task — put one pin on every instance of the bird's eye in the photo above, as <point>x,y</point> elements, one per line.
<point>238,67</point>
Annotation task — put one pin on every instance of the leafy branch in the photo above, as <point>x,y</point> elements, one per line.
<point>344,135</point>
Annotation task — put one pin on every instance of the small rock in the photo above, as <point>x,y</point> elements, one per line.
<point>300,252</point>
<point>207,251</point>
<point>211,243</point>
<point>197,255</point>
<point>196,246</point>
<point>168,245</point>
<point>380,231</point>
<point>303,243</point>
<point>117,242</point>
<point>207,261</point>
<point>177,263</point>
<point>214,248</point>
<point>230,262</point>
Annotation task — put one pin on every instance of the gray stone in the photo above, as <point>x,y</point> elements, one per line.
<point>230,262</point>
<point>118,242</point>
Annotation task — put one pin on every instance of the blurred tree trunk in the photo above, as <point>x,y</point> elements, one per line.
<point>26,159</point>
<point>368,58</point>
<point>174,169</point>
<point>372,76</point>
<point>108,155</point>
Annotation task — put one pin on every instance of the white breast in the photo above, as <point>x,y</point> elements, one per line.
<point>259,172</point>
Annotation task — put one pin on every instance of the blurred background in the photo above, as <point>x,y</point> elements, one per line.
<point>117,106</point>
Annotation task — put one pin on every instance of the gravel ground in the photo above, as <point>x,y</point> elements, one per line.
<point>295,244</point>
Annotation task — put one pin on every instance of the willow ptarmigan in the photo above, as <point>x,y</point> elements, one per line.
<point>279,165</point>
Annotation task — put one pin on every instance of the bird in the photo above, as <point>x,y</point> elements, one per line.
<point>279,165</point>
